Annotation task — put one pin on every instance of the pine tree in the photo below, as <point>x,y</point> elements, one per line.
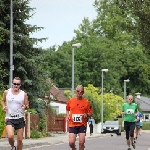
<point>26,58</point>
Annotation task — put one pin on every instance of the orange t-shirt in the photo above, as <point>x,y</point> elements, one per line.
<point>77,108</point>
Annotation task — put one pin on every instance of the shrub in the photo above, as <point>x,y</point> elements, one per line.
<point>42,123</point>
<point>35,134</point>
<point>2,118</point>
<point>32,111</point>
<point>146,126</point>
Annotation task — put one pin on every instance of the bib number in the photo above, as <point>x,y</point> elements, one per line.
<point>130,111</point>
<point>77,117</point>
<point>14,116</point>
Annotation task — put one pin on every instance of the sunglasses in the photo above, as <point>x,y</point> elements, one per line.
<point>16,84</point>
<point>80,91</point>
<point>130,99</point>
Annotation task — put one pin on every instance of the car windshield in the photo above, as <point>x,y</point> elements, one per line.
<point>111,122</point>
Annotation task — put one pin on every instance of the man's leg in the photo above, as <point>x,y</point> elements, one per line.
<point>20,138</point>
<point>72,139</point>
<point>135,132</point>
<point>127,131</point>
<point>10,134</point>
<point>81,140</point>
<point>132,129</point>
<point>140,132</point>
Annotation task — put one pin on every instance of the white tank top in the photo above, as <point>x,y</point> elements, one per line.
<point>14,103</point>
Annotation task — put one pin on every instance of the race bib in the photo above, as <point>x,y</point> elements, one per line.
<point>77,117</point>
<point>14,115</point>
<point>129,111</point>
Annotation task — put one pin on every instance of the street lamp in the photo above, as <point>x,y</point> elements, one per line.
<point>103,70</point>
<point>125,88</point>
<point>11,44</point>
<point>73,45</point>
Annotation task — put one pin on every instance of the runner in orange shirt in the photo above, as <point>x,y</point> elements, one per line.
<point>77,110</point>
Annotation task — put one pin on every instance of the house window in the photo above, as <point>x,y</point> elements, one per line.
<point>147,117</point>
<point>56,108</point>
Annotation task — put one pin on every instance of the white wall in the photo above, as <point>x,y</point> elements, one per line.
<point>96,128</point>
<point>62,107</point>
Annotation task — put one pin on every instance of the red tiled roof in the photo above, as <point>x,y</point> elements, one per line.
<point>58,95</point>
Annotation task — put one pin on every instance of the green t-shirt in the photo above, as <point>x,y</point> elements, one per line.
<point>130,110</point>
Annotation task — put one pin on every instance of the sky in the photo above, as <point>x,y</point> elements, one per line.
<point>59,19</point>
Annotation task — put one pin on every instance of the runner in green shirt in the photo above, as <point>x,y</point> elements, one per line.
<point>129,111</point>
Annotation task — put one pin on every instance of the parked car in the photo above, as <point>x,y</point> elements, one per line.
<point>112,127</point>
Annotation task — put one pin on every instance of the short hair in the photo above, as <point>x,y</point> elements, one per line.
<point>79,86</point>
<point>17,78</point>
<point>129,96</point>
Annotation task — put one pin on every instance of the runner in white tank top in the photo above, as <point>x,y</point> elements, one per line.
<point>14,105</point>
<point>14,102</point>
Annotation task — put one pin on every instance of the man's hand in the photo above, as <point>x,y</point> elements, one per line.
<point>23,106</point>
<point>5,108</point>
<point>123,113</point>
<point>67,118</point>
<point>85,115</point>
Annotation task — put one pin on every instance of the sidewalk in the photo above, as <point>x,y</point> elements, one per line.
<point>54,139</point>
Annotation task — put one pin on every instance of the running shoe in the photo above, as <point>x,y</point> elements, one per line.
<point>129,148</point>
<point>14,148</point>
<point>134,141</point>
<point>133,145</point>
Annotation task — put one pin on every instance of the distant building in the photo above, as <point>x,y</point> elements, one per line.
<point>59,100</point>
<point>144,103</point>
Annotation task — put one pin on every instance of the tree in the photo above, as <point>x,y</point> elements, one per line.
<point>2,118</point>
<point>112,103</point>
<point>141,11</point>
<point>91,94</point>
<point>26,57</point>
<point>112,106</point>
<point>129,55</point>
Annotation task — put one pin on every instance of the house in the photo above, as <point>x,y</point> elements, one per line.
<point>144,103</point>
<point>59,100</point>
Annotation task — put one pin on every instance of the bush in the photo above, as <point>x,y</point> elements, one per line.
<point>146,126</point>
<point>61,115</point>
<point>32,111</point>
<point>2,118</point>
<point>35,134</point>
<point>42,123</point>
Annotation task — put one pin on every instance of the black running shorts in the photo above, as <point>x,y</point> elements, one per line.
<point>77,129</point>
<point>16,123</point>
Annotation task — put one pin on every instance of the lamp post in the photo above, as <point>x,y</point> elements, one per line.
<point>73,45</point>
<point>125,88</point>
<point>103,70</point>
<point>11,44</point>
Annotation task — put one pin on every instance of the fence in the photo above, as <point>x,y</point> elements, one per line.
<point>54,123</point>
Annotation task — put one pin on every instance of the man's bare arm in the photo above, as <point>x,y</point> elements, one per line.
<point>67,115</point>
<point>3,102</point>
<point>26,101</point>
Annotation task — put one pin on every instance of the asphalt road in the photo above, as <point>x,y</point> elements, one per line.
<point>103,143</point>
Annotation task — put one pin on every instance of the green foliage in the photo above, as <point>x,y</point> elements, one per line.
<point>27,58</point>
<point>91,94</point>
<point>61,115</point>
<point>2,118</point>
<point>146,126</point>
<point>38,105</point>
<point>111,103</point>
<point>68,94</point>
<point>140,9</point>
<point>42,123</point>
<point>32,111</point>
<point>35,134</point>
<point>116,38</point>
